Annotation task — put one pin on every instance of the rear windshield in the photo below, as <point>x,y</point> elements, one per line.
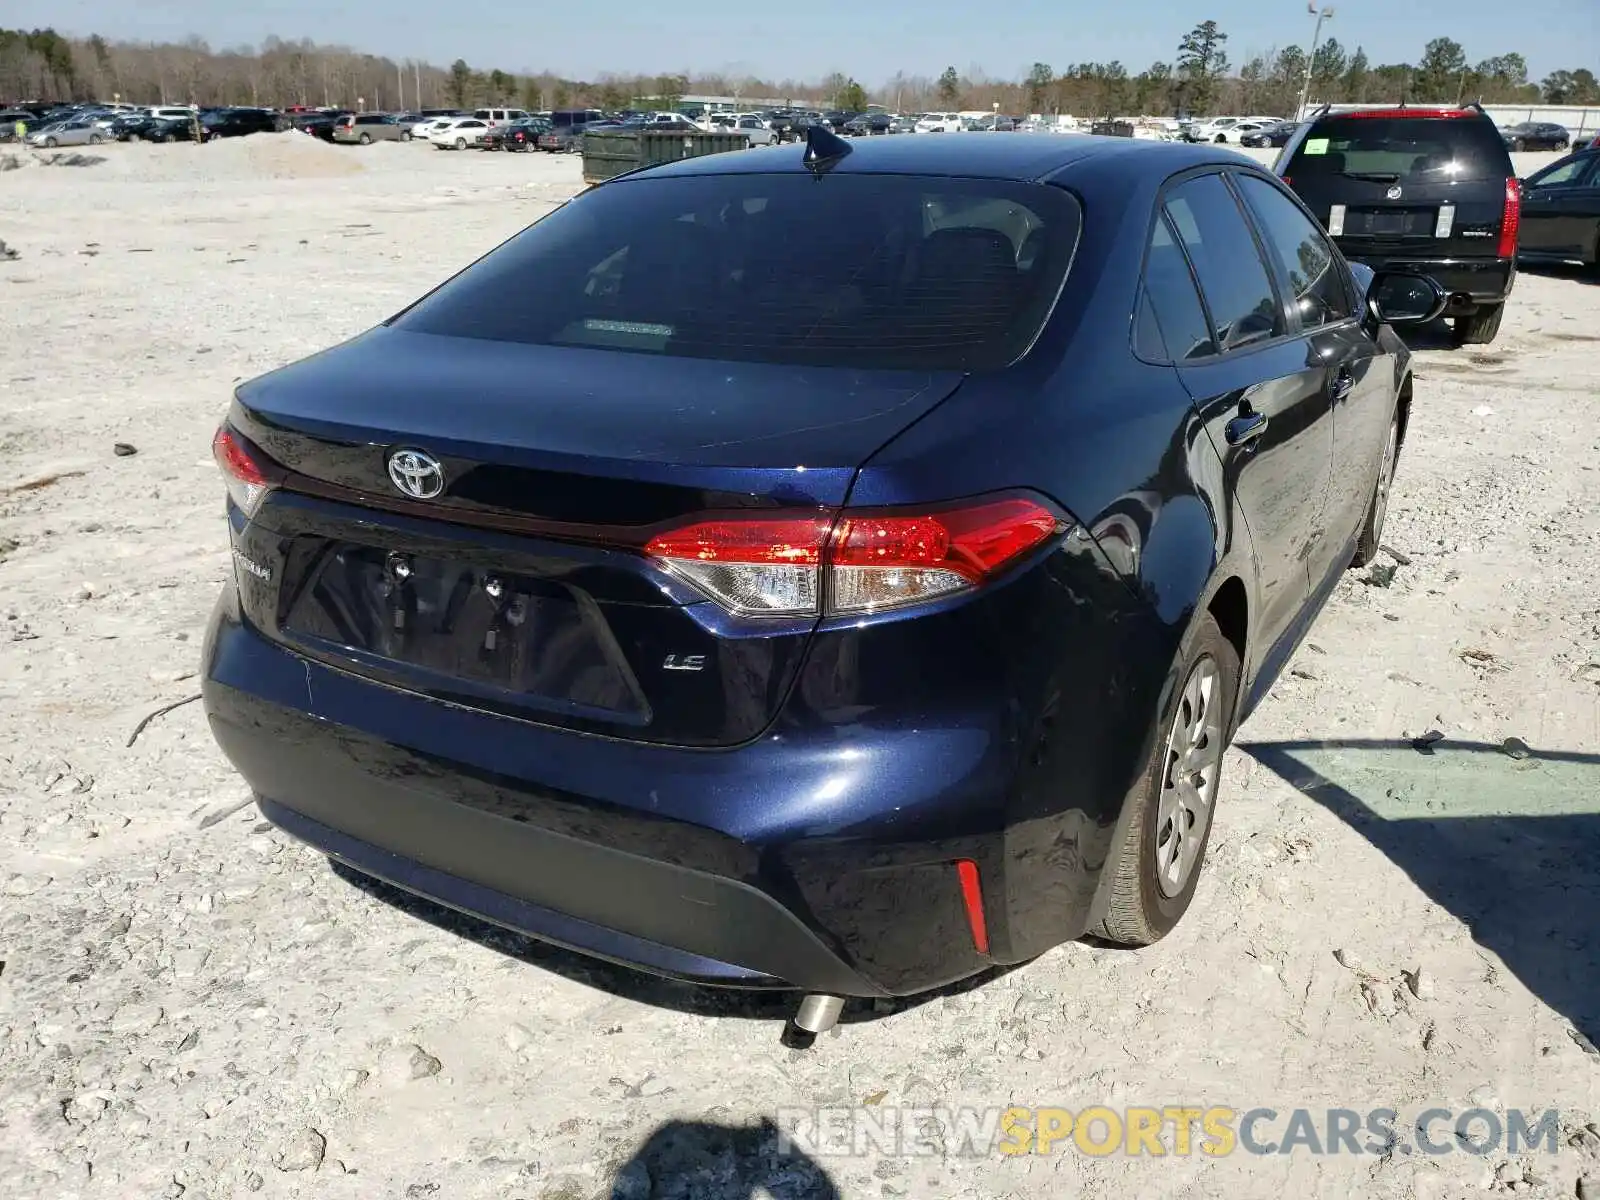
<point>1421,148</point>
<point>864,271</point>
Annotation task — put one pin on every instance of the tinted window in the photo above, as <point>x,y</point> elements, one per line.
<point>859,271</point>
<point>1171,302</point>
<point>1316,281</point>
<point>1420,148</point>
<point>1567,174</point>
<point>1233,279</point>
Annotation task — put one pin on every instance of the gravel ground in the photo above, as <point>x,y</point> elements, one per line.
<point>191,1005</point>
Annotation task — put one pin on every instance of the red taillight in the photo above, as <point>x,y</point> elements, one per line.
<point>1429,113</point>
<point>972,900</point>
<point>870,562</point>
<point>244,470</point>
<point>1510,219</point>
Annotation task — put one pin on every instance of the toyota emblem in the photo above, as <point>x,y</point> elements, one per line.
<point>1394,192</point>
<point>418,475</point>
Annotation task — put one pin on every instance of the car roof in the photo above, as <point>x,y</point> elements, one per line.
<point>1022,158</point>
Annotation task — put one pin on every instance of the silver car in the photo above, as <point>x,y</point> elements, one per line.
<point>80,131</point>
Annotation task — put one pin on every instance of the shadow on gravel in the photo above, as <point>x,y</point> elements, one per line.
<point>1576,272</point>
<point>640,986</point>
<point>697,1160</point>
<point>1510,845</point>
<point>1436,335</point>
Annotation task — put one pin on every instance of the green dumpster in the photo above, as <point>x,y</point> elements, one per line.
<point>607,153</point>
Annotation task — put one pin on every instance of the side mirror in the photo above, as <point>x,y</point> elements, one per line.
<point>1401,298</point>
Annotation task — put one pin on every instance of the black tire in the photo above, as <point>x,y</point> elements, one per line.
<point>1141,911</point>
<point>1518,145</point>
<point>95,139</point>
<point>406,136</point>
<point>50,143</point>
<point>1563,145</point>
<point>1221,139</point>
<point>366,139</point>
<point>1371,535</point>
<point>461,143</point>
<point>1479,329</point>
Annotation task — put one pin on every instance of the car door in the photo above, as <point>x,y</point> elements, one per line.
<point>1558,206</point>
<point>1260,391</point>
<point>1324,308</point>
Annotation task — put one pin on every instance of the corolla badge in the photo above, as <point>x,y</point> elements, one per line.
<point>418,475</point>
<point>1394,192</point>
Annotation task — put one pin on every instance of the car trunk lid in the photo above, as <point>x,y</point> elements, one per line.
<point>519,587</point>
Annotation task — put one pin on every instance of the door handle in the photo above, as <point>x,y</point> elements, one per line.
<point>1246,427</point>
<point>1343,382</point>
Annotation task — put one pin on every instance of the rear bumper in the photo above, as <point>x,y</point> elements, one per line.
<point>820,856</point>
<point>1483,281</point>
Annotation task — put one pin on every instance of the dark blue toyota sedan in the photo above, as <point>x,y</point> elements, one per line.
<point>837,569</point>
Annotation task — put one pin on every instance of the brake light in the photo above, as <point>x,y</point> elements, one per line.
<point>246,471</point>
<point>861,562</point>
<point>1510,219</point>
<point>1429,113</point>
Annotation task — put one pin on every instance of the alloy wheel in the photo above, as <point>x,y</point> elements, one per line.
<point>1380,498</point>
<point>1189,778</point>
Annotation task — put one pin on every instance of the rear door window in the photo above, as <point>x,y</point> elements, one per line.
<point>1305,260</point>
<point>1401,149</point>
<point>1171,324</point>
<point>890,271</point>
<point>1233,278</point>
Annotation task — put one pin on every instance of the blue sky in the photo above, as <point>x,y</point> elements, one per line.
<point>868,41</point>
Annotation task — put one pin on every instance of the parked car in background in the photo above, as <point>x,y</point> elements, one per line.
<point>1425,189</point>
<point>171,129</point>
<point>317,124</point>
<point>240,122</point>
<point>80,131</point>
<point>868,123</point>
<point>1269,136</point>
<point>365,128</point>
<point>460,133</point>
<point>940,123</point>
<point>754,129</point>
<point>520,135</point>
<point>427,130</point>
<point>498,116</point>
<point>1536,135</point>
<point>955,690</point>
<point>170,112</point>
<point>1561,212</point>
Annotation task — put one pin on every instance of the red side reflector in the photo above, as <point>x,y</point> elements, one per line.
<point>1510,219</point>
<point>1446,114</point>
<point>972,897</point>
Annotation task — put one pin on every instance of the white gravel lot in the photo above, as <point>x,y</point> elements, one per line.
<point>192,1005</point>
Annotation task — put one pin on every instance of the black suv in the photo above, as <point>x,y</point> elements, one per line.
<point>1430,190</point>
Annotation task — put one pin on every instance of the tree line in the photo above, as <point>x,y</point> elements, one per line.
<point>1201,78</point>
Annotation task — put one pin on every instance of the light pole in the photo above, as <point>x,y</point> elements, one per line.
<point>1325,13</point>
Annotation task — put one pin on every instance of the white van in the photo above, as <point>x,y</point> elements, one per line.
<point>941,123</point>
<point>499,116</point>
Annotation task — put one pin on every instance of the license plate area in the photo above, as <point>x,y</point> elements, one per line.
<point>1390,222</point>
<point>466,627</point>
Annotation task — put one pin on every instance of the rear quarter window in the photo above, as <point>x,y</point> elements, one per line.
<point>893,272</point>
<point>1440,148</point>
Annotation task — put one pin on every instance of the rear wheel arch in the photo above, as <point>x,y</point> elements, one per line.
<point>1230,609</point>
